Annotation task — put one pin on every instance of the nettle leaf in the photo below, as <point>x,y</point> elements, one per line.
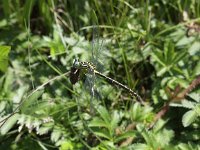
<point>4,51</point>
<point>189,118</point>
<point>9,124</point>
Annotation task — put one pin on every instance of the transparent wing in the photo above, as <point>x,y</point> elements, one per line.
<point>98,50</point>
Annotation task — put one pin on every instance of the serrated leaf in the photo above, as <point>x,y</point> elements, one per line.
<point>149,138</point>
<point>45,128</point>
<point>135,111</point>
<point>189,118</point>
<point>56,134</point>
<point>188,104</point>
<point>9,124</point>
<point>96,122</point>
<point>4,51</point>
<point>195,96</point>
<point>103,133</point>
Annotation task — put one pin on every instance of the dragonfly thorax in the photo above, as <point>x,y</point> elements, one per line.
<point>83,65</point>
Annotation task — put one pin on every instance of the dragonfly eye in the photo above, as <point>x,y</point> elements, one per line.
<point>76,63</point>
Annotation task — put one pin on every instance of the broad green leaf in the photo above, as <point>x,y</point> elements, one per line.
<point>9,124</point>
<point>4,51</point>
<point>185,41</point>
<point>189,118</point>
<point>194,49</point>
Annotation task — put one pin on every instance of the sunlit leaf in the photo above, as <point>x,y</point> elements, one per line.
<point>189,118</point>
<point>9,124</point>
<point>4,51</point>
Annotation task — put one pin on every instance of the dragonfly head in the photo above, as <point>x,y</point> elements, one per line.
<point>76,64</point>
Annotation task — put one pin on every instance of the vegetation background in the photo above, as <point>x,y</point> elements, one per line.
<point>153,47</point>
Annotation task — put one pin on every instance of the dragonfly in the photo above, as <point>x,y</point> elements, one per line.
<point>90,68</point>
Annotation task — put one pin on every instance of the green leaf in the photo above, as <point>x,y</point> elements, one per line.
<point>139,146</point>
<point>104,114</point>
<point>27,9</point>
<point>45,128</point>
<point>96,122</point>
<point>125,135</point>
<point>158,56</point>
<point>189,118</point>
<point>194,49</point>
<point>169,52</point>
<point>68,145</point>
<point>56,134</point>
<point>9,124</point>
<point>188,146</point>
<point>30,100</point>
<point>4,51</point>
<point>115,120</point>
<point>102,133</point>
<point>148,136</point>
